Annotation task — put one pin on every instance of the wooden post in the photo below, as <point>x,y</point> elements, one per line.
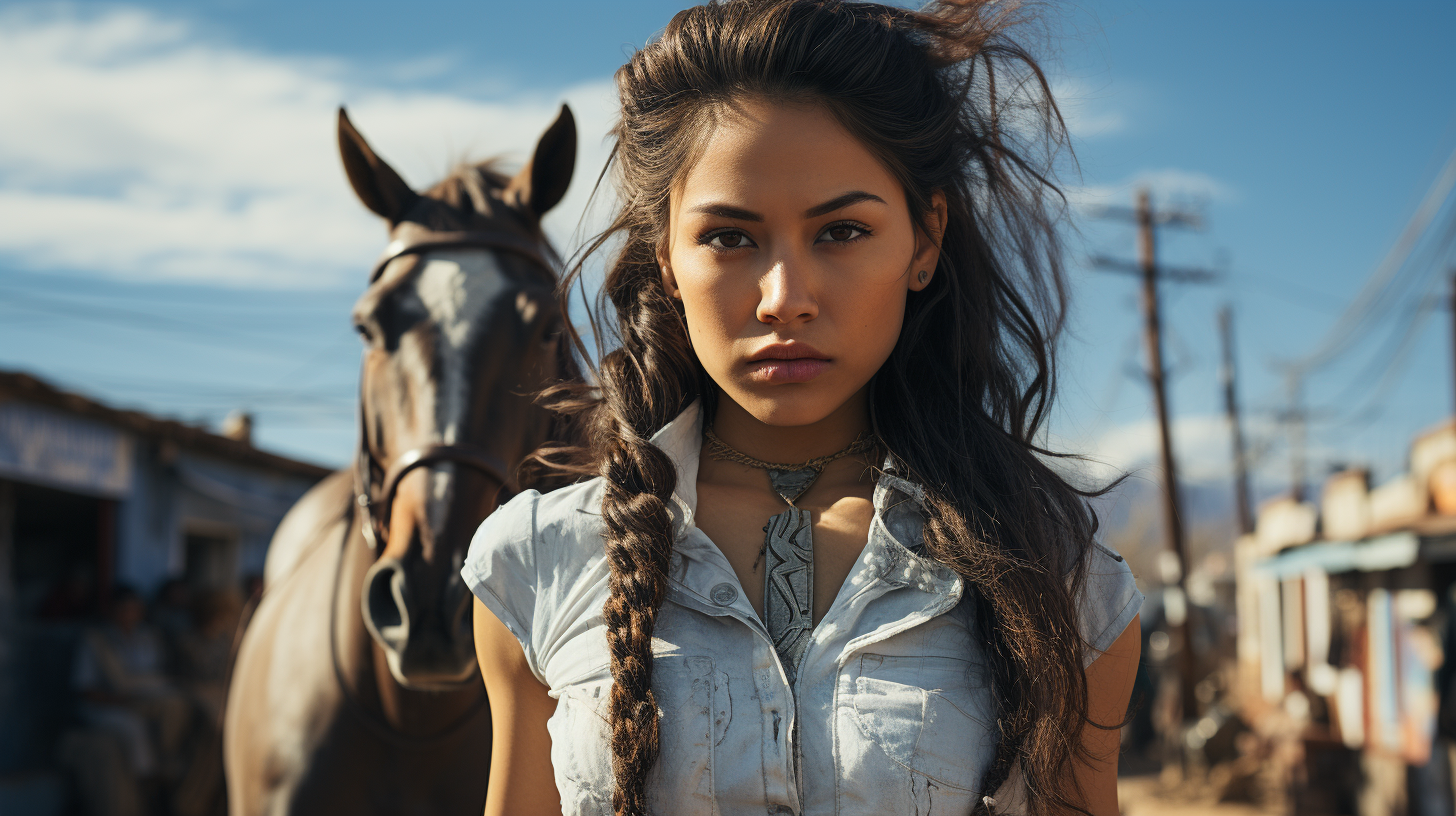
<point>7,551</point>
<point>1295,419</point>
<point>1172,512</point>
<point>105,552</point>
<point>1147,270</point>
<point>1228,373</point>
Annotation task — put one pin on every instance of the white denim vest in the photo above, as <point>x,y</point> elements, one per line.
<point>891,712</point>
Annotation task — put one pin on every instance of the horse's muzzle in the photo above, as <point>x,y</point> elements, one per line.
<point>429,646</point>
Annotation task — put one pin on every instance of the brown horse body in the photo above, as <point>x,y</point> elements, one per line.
<point>355,690</point>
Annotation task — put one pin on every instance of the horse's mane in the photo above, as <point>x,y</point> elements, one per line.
<point>469,192</point>
<point>468,185</point>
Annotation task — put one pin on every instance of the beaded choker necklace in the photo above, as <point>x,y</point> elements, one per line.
<point>789,481</point>
<point>788,545</point>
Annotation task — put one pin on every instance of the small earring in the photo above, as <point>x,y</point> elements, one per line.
<point>924,276</point>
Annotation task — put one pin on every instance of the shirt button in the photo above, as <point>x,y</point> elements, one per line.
<point>724,594</point>
<point>781,810</point>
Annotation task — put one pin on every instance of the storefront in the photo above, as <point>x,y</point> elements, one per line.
<point>1345,615</point>
<point>92,498</point>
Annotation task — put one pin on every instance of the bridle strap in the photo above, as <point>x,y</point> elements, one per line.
<point>378,509</point>
<point>414,240</point>
<point>472,239</point>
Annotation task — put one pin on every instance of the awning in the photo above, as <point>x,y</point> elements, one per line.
<point>1376,554</point>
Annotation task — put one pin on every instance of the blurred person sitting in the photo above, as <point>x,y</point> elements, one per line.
<point>204,651</point>
<point>171,614</point>
<point>119,676</point>
<point>204,658</point>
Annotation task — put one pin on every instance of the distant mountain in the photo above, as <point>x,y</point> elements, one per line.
<point>1131,522</point>
<point>1138,503</point>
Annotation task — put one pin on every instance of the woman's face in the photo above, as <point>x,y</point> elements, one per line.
<point>792,249</point>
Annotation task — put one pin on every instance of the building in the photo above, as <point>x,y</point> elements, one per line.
<point>1347,611</point>
<point>92,497</point>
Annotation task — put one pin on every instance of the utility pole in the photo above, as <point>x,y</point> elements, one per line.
<point>1146,268</point>
<point>1295,421</point>
<point>1229,374</point>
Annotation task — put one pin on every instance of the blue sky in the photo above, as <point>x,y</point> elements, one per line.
<point>176,236</point>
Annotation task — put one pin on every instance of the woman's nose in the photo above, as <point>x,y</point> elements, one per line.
<point>786,293</point>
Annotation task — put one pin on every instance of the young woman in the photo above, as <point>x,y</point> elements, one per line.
<point>821,565</point>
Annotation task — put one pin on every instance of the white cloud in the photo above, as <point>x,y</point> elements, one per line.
<point>136,149</point>
<point>1086,115</point>
<point>1167,185</point>
<point>1201,444</point>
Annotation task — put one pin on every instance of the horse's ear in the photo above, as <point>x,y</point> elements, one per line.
<point>375,182</point>
<point>543,181</point>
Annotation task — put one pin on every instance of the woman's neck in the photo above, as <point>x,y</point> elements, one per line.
<point>743,432</point>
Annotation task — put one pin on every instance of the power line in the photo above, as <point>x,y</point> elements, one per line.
<point>147,320</point>
<point>1393,365</point>
<point>1390,361</point>
<point>1370,302</point>
<point>1291,292</point>
<point>341,391</point>
<point>222,302</point>
<point>1407,317</point>
<point>1395,290</point>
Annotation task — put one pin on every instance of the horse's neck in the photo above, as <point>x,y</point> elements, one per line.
<point>365,670</point>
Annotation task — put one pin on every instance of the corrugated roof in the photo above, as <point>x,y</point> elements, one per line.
<point>20,386</point>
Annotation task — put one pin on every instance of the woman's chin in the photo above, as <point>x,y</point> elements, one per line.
<point>789,405</point>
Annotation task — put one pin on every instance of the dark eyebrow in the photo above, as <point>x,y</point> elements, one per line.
<point>726,211</point>
<point>740,214</point>
<point>840,203</point>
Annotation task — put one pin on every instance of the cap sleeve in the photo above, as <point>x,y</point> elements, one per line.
<point>501,570</point>
<point>1108,602</point>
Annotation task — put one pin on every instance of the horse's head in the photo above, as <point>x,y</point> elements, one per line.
<point>461,328</point>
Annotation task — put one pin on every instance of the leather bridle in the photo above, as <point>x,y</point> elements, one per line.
<point>376,496</point>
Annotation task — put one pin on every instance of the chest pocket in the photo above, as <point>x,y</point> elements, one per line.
<point>691,708</point>
<point>934,716</point>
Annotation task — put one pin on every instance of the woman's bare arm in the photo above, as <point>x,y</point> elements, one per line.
<point>521,780</point>
<point>1109,686</point>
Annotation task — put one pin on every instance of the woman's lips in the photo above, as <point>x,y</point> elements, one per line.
<point>798,370</point>
<point>792,361</point>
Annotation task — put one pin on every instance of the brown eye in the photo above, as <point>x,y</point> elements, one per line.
<point>841,233</point>
<point>727,240</point>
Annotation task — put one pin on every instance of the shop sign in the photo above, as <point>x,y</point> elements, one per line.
<point>50,447</point>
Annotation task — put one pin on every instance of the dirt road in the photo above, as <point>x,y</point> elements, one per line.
<point>1139,796</point>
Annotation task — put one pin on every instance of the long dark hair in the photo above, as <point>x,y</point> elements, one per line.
<point>948,102</point>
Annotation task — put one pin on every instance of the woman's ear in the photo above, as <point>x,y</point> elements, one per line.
<point>927,243</point>
<point>669,282</point>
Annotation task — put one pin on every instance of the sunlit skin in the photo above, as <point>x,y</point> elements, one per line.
<point>789,238</point>
<point>788,232</point>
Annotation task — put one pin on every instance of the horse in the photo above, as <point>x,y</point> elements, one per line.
<point>355,688</point>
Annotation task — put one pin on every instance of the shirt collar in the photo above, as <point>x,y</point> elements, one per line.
<point>896,542</point>
<point>682,441</point>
